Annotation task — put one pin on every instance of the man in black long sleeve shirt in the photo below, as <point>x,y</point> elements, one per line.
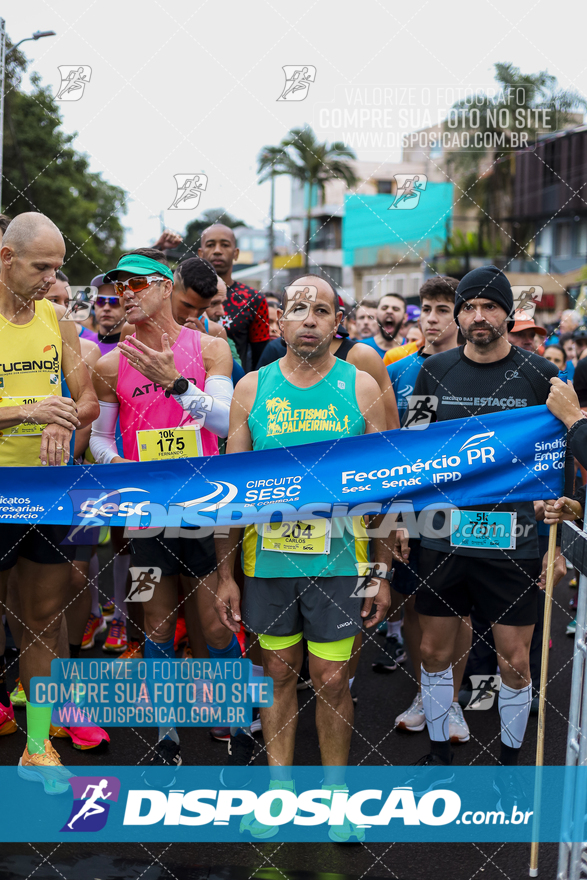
<point>485,375</point>
<point>245,308</point>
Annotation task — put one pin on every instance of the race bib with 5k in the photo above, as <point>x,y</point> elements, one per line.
<point>485,529</point>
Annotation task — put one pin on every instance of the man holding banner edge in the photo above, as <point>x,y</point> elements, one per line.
<point>37,426</point>
<point>505,580</point>
<point>289,597</point>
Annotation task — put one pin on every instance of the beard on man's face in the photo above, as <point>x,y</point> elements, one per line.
<point>390,327</point>
<point>491,333</point>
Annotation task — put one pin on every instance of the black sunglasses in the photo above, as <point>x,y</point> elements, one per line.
<point>112,301</point>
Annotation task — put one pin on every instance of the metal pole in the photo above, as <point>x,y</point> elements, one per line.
<point>569,796</point>
<point>542,698</point>
<point>2,70</point>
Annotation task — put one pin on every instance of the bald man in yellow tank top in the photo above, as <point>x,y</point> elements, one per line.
<point>36,427</point>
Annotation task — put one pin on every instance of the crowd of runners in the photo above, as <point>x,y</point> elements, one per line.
<point>94,375</point>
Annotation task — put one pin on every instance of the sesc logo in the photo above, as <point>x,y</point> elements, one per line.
<point>92,795</point>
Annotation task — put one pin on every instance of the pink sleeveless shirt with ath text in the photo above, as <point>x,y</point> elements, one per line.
<point>143,404</point>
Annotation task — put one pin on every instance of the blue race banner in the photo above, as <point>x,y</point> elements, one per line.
<point>499,458</point>
<point>221,804</point>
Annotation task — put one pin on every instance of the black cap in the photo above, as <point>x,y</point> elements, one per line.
<point>580,333</point>
<point>487,282</point>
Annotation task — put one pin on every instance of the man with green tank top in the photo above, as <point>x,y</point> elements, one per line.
<point>302,578</point>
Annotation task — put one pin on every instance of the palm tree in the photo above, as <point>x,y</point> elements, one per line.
<point>301,155</point>
<point>485,173</point>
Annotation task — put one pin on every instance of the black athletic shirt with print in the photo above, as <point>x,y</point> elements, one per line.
<point>248,322</point>
<point>468,389</point>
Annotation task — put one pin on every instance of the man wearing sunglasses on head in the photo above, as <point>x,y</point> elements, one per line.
<point>169,378</point>
<point>109,312</point>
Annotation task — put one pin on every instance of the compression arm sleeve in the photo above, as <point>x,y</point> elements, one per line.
<point>103,439</point>
<point>210,407</point>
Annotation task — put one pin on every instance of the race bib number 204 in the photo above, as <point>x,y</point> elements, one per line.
<point>305,536</point>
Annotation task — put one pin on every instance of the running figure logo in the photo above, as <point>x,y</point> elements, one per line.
<point>525,299</point>
<point>143,583</point>
<point>297,301</point>
<point>74,79</point>
<point>92,795</point>
<point>485,690</point>
<point>421,409</point>
<point>189,189</point>
<point>297,82</point>
<point>409,189</point>
<point>369,577</point>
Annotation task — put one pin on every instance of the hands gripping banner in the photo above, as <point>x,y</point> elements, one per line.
<point>499,458</point>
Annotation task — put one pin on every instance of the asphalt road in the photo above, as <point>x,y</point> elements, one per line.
<point>380,698</point>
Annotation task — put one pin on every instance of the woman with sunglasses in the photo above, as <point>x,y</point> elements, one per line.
<point>110,316</point>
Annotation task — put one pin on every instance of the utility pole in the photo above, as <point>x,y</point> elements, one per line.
<point>2,68</point>
<point>271,243</point>
<point>3,55</point>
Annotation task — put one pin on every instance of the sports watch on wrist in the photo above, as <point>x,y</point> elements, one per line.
<point>180,386</point>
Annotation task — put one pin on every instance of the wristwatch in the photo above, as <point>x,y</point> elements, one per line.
<point>180,386</point>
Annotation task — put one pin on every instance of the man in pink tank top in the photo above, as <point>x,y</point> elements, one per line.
<point>170,388</point>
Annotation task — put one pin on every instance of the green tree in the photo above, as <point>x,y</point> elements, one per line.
<point>484,174</point>
<point>194,229</point>
<point>303,157</point>
<point>43,172</point>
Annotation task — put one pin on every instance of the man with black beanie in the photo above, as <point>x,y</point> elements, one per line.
<point>485,375</point>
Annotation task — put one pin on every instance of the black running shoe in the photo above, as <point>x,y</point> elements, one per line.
<point>165,754</point>
<point>508,785</point>
<point>392,654</point>
<point>240,750</point>
<point>241,747</point>
<point>437,773</point>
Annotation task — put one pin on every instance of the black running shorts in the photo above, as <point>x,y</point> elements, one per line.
<point>37,543</point>
<point>324,609</point>
<point>503,590</point>
<point>192,557</point>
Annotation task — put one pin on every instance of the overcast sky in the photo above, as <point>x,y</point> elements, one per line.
<point>193,87</point>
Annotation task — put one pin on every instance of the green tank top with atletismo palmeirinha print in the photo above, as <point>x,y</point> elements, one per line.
<point>285,415</point>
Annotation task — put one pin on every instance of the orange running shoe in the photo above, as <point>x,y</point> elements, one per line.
<point>94,626</point>
<point>133,651</point>
<point>45,767</point>
<point>116,640</point>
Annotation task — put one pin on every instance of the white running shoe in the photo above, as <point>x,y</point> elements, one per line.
<point>458,729</point>
<point>412,719</point>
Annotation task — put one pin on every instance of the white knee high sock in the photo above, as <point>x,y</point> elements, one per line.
<point>514,711</point>
<point>437,695</point>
